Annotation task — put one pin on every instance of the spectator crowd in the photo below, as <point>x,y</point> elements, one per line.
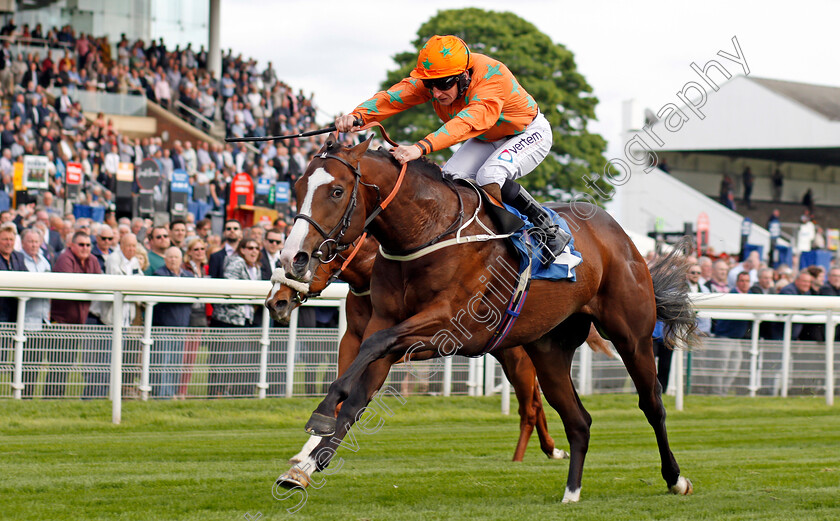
<point>41,115</point>
<point>39,242</point>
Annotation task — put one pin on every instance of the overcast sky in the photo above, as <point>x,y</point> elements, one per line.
<point>641,50</point>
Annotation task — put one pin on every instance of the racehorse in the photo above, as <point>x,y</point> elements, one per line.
<point>356,269</point>
<point>433,296</point>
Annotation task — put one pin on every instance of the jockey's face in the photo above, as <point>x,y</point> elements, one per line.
<point>445,97</point>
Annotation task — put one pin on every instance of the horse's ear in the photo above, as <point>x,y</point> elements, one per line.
<point>331,144</point>
<point>355,154</point>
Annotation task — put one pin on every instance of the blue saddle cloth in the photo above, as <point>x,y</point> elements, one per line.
<point>563,267</point>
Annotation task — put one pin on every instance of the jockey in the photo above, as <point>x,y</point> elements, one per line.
<point>504,134</point>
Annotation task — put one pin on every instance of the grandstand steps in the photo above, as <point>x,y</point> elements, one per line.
<point>790,213</point>
<point>176,127</point>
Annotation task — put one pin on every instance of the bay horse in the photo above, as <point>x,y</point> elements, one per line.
<point>433,298</point>
<point>356,269</point>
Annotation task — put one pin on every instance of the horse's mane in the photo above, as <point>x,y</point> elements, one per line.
<point>422,166</point>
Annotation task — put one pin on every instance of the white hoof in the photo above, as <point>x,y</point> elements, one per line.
<point>293,478</point>
<point>683,487</point>
<point>571,496</point>
<point>559,454</point>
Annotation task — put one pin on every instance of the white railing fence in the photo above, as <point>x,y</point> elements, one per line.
<point>142,362</point>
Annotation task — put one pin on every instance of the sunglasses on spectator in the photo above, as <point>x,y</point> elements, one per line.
<point>441,83</point>
<point>232,229</point>
<point>198,249</point>
<point>274,241</point>
<point>694,273</point>
<point>107,238</point>
<point>161,236</point>
<point>83,244</point>
<point>251,248</point>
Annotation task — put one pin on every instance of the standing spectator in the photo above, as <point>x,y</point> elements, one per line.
<point>818,274</point>
<point>167,356</point>
<point>749,265</point>
<point>832,289</point>
<point>718,282</point>
<point>37,309</point>
<point>202,229</point>
<point>704,325</point>
<point>747,178</point>
<point>731,355</point>
<point>802,285</point>
<point>10,260</point>
<point>195,263</point>
<point>778,181</point>
<point>158,244</point>
<point>232,235</point>
<point>808,201</point>
<point>725,189</point>
<point>177,233</point>
<point>63,104</point>
<point>805,234</point>
<point>766,286</point>
<point>270,257</point>
<point>104,244</point>
<point>123,261</point>
<point>242,265</point>
<point>705,264</point>
<point>75,259</point>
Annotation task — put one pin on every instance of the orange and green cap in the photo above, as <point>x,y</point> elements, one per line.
<point>442,56</point>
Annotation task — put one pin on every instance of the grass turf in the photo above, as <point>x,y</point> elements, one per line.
<point>435,458</point>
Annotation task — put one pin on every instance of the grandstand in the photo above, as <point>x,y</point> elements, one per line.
<point>74,97</point>
<point>776,128</point>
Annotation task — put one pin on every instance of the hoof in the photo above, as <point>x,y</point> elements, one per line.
<point>559,454</point>
<point>683,487</point>
<point>294,477</point>
<point>321,425</point>
<point>571,496</point>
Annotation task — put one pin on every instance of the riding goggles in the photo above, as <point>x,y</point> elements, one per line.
<point>441,83</point>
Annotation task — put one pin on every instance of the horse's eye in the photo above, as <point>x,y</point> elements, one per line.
<point>337,192</point>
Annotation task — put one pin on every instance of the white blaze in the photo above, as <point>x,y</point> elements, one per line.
<point>300,230</point>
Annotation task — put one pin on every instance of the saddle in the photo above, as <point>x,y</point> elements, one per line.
<point>504,221</point>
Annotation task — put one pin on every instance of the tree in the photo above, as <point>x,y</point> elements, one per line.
<point>545,69</point>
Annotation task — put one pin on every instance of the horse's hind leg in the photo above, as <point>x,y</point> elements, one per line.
<point>553,364</point>
<point>520,371</point>
<point>637,353</point>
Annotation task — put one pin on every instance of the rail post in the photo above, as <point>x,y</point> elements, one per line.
<point>20,339</point>
<point>290,352</point>
<point>264,343</point>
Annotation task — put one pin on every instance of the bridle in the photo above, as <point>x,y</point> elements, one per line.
<point>332,246</point>
<point>299,297</point>
<point>332,240</point>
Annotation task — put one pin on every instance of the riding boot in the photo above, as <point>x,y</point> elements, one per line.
<point>553,238</point>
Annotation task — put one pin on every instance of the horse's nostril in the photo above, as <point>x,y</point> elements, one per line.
<point>301,260</point>
<point>281,304</point>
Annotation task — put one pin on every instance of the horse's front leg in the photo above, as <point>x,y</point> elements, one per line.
<point>319,457</point>
<point>394,340</point>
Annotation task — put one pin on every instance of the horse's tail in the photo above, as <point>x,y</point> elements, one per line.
<point>673,306</point>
